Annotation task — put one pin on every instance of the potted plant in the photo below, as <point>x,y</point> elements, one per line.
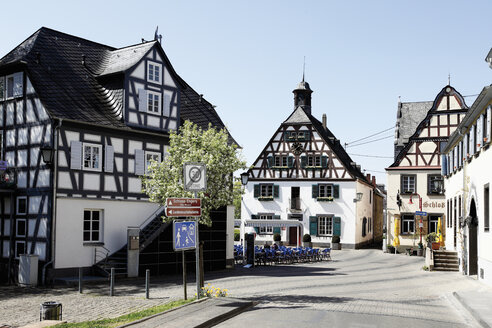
<point>432,240</point>
<point>277,237</point>
<point>391,249</point>
<point>306,240</point>
<point>335,243</point>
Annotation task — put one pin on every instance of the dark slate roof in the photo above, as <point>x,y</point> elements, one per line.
<point>91,92</point>
<point>198,110</point>
<point>408,117</point>
<point>298,116</point>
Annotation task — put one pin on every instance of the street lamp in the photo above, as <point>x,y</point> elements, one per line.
<point>47,154</point>
<point>244,178</point>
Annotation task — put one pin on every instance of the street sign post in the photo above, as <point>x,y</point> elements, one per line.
<point>420,213</point>
<point>184,202</point>
<point>194,176</point>
<point>184,235</point>
<point>183,211</point>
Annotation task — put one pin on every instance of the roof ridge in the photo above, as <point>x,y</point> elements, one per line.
<point>50,30</point>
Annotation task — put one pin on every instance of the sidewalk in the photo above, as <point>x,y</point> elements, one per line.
<point>202,313</point>
<point>478,303</point>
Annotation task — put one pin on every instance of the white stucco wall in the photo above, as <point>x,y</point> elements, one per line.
<point>364,209</point>
<point>432,204</point>
<point>343,207</point>
<point>477,174</point>
<point>70,251</point>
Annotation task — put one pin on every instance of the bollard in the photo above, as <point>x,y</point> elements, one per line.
<point>80,280</point>
<point>111,283</point>
<point>147,281</point>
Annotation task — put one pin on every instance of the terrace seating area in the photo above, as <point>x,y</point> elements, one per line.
<point>284,255</point>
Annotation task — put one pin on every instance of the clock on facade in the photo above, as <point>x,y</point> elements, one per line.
<point>297,148</point>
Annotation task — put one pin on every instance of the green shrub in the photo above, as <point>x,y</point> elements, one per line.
<point>277,237</point>
<point>237,235</point>
<point>335,239</point>
<point>306,238</point>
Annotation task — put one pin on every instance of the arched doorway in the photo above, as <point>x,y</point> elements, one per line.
<point>472,222</point>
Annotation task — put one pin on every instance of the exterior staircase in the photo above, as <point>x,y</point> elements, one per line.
<point>149,230</point>
<point>445,261</point>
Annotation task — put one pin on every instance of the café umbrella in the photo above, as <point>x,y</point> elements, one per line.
<point>439,232</point>
<point>396,240</point>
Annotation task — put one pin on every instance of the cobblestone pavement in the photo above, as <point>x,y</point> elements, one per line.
<point>356,281</point>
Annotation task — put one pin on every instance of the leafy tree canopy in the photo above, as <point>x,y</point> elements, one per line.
<point>193,144</point>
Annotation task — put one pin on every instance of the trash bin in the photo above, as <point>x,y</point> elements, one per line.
<point>50,311</point>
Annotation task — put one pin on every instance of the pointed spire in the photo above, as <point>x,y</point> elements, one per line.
<point>449,78</point>
<point>303,68</point>
<point>156,35</point>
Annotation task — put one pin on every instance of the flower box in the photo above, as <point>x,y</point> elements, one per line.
<point>324,199</point>
<point>265,198</point>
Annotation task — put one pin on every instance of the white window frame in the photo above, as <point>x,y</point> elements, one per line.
<point>323,190</point>
<point>17,234</point>
<point>17,205</point>
<point>3,89</point>
<point>15,250</point>
<point>7,86</point>
<point>405,224</point>
<point>151,154</point>
<point>151,95</point>
<point>406,191</point>
<point>266,190</point>
<point>268,230</point>
<point>99,161</point>
<point>91,230</point>
<point>151,65</point>
<point>325,225</point>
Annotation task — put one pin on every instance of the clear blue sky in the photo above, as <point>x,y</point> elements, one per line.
<point>246,56</point>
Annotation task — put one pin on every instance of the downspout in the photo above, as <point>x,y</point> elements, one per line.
<point>53,221</point>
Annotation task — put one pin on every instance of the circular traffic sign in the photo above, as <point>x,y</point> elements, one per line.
<point>195,174</point>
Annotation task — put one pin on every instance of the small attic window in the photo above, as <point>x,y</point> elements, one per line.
<point>154,72</point>
<point>14,85</point>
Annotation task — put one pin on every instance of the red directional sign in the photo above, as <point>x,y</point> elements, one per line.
<point>183,211</point>
<point>183,202</point>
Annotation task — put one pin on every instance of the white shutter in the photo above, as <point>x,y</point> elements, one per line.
<point>75,155</point>
<point>142,100</point>
<point>479,133</point>
<point>18,84</point>
<point>139,162</point>
<point>487,133</point>
<point>167,105</point>
<point>467,141</point>
<point>472,140</point>
<point>444,165</point>
<point>109,159</point>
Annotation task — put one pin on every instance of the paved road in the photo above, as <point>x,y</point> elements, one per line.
<point>355,283</point>
<point>362,288</point>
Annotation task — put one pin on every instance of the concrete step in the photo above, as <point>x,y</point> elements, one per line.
<point>450,269</point>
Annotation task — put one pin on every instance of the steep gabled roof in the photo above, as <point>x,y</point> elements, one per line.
<point>75,79</point>
<point>409,116</point>
<point>426,120</point>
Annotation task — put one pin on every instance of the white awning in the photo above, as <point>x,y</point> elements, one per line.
<point>272,223</point>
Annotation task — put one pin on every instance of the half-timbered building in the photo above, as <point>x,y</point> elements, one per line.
<point>304,182</point>
<point>415,183</point>
<point>103,114</point>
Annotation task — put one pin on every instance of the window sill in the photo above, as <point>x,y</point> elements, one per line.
<point>265,198</point>
<point>90,169</point>
<point>93,243</point>
<point>313,167</point>
<point>324,199</point>
<point>154,113</point>
<point>281,167</point>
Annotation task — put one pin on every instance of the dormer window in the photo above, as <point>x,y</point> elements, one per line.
<point>153,102</point>
<point>13,87</point>
<point>154,72</point>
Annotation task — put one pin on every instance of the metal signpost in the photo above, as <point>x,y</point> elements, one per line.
<point>185,233</point>
<point>184,237</point>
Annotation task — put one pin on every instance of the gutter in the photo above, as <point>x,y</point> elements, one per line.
<point>56,134</point>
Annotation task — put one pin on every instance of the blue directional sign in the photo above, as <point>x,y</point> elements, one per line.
<point>184,235</point>
<point>421,213</point>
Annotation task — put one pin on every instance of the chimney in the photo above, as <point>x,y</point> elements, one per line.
<point>368,177</point>
<point>324,121</point>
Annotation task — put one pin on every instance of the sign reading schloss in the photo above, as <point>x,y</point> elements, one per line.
<point>183,202</point>
<point>183,211</point>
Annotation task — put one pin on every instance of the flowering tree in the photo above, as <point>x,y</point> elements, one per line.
<point>193,144</point>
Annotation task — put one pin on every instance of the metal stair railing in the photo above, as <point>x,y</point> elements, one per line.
<point>101,254</point>
<point>152,227</point>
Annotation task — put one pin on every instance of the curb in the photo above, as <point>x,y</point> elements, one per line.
<point>162,313</point>
<point>226,316</point>
<point>472,312</point>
